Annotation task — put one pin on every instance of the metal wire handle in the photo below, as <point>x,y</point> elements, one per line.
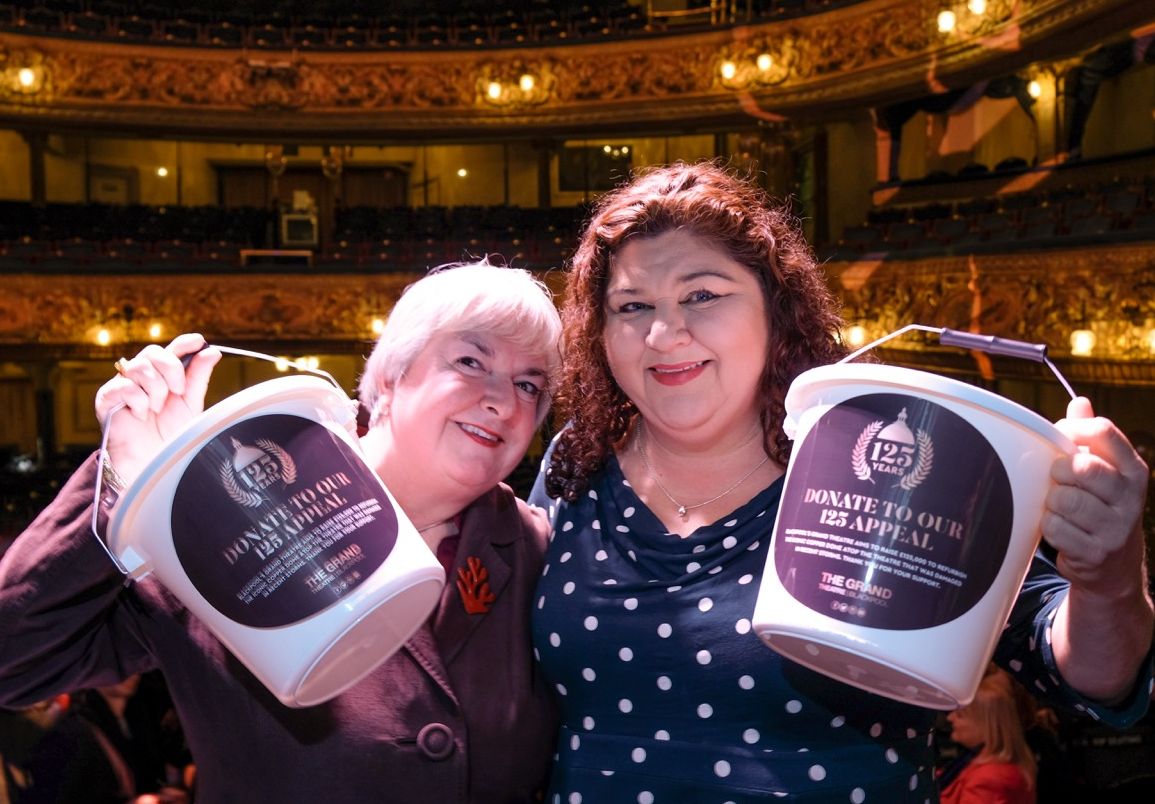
<point>1036,352</point>
<point>102,454</point>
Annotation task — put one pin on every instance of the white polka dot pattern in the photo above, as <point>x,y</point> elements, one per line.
<point>643,633</point>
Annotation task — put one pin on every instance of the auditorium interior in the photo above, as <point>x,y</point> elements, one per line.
<point>273,174</point>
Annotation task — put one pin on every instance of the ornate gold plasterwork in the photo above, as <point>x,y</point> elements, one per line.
<point>1039,297</point>
<point>65,310</point>
<point>852,54</point>
<point>60,313</point>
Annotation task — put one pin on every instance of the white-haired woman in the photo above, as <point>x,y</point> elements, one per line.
<point>457,385</point>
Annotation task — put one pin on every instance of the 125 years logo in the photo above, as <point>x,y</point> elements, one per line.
<point>893,450</point>
<point>252,469</point>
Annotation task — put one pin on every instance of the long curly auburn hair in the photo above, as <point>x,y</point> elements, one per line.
<point>733,215</point>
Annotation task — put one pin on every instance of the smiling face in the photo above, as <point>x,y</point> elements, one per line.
<point>686,337</point>
<point>460,418</point>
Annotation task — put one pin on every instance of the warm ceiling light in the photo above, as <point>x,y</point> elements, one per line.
<point>155,330</point>
<point>281,364</point>
<point>493,90</point>
<point>526,82</point>
<point>377,325</point>
<point>977,6</point>
<point>162,171</point>
<point>26,76</point>
<point>765,61</point>
<point>946,21</point>
<point>729,70</point>
<point>1082,342</point>
<point>625,149</point>
<point>462,173</point>
<point>607,148</point>
<point>103,336</point>
<point>1035,89</point>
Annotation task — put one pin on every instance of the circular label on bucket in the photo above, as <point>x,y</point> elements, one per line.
<point>277,518</point>
<point>896,514</point>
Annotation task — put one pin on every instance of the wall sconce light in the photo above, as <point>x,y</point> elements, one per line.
<point>511,85</point>
<point>125,324</point>
<point>275,160</point>
<point>28,77</point>
<point>1035,89</point>
<point>1082,342</point>
<point>757,64</point>
<point>854,336</point>
<point>162,171</point>
<point>377,325</point>
<point>332,162</point>
<point>974,17</point>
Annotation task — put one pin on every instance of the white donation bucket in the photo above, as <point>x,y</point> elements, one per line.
<point>909,517</point>
<point>264,520</point>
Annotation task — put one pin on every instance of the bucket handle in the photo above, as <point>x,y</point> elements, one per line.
<point>983,343</point>
<point>102,455</point>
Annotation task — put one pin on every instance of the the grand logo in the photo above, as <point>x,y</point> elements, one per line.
<point>253,468</point>
<point>893,451</point>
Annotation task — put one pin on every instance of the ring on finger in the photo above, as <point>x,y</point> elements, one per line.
<point>121,366</point>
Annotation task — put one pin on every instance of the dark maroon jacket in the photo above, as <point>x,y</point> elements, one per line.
<point>459,714</point>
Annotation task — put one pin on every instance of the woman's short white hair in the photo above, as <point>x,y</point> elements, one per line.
<point>461,298</point>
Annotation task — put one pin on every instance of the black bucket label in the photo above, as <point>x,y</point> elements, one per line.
<point>896,514</point>
<point>277,518</point>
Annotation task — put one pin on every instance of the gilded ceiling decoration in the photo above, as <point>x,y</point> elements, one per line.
<point>854,54</point>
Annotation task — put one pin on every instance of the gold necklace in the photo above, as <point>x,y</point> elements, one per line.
<point>682,508</point>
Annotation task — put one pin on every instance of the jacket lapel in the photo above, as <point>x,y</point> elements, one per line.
<point>475,584</point>
<point>423,648</point>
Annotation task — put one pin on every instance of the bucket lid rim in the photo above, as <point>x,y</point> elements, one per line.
<point>265,392</point>
<point>928,383</point>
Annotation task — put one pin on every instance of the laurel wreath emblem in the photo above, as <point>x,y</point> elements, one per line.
<point>858,454</point>
<point>922,468</point>
<point>249,499</point>
<point>288,468</point>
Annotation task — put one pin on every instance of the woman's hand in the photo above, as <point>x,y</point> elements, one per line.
<point>1094,512</point>
<point>160,396</point>
<point>1094,517</point>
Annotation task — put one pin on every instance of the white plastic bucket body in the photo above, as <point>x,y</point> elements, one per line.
<point>909,517</point>
<point>264,520</point>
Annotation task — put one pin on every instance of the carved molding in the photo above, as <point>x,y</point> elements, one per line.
<point>60,313</point>
<point>884,48</point>
<point>1040,297</point>
<point>1031,296</point>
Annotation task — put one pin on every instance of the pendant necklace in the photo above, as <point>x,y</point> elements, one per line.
<point>683,508</point>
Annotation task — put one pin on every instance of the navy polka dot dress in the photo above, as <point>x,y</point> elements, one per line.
<point>667,695</point>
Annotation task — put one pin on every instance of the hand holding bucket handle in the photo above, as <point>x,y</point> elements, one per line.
<point>1036,352</point>
<point>163,390</point>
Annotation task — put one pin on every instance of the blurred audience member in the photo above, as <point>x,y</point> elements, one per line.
<point>998,766</point>
<point>21,731</point>
<point>95,754</point>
